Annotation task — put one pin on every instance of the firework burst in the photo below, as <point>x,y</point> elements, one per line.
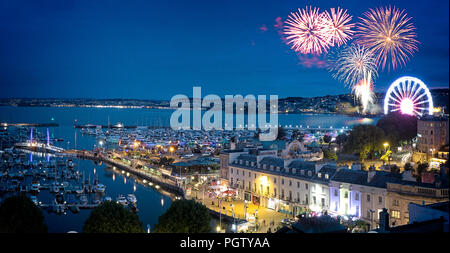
<point>336,26</point>
<point>305,32</point>
<point>389,34</point>
<point>352,64</point>
<point>364,92</point>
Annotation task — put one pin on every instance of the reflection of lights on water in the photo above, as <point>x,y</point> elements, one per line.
<point>124,180</point>
<point>94,170</point>
<point>114,177</point>
<point>162,202</point>
<point>134,187</point>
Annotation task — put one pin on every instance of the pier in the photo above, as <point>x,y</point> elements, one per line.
<point>169,184</point>
<point>104,126</point>
<point>5,124</point>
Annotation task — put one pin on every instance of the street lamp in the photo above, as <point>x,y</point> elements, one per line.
<point>218,229</point>
<point>245,212</point>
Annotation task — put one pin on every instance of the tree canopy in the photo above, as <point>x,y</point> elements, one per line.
<point>18,214</point>
<point>365,140</point>
<point>111,217</point>
<point>327,154</point>
<point>184,216</point>
<point>398,128</point>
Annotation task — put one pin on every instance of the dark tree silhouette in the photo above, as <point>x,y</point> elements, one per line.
<point>398,128</point>
<point>18,214</point>
<point>111,217</point>
<point>184,216</point>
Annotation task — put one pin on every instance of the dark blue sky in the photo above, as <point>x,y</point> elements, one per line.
<point>156,49</point>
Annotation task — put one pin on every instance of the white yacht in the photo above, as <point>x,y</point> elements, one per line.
<point>34,199</point>
<point>100,188</point>
<point>122,200</point>
<point>35,186</point>
<point>131,198</point>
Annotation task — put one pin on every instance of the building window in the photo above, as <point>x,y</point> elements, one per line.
<point>314,200</point>
<point>274,180</point>
<point>395,214</point>
<point>322,200</point>
<point>306,199</point>
<point>368,198</point>
<point>306,186</point>
<point>356,196</point>
<point>380,200</point>
<point>237,172</point>
<point>282,181</point>
<point>395,202</point>
<point>326,176</point>
<point>290,183</point>
<point>231,171</point>
<point>249,174</point>
<point>346,195</point>
<point>335,193</point>
<point>275,192</point>
<point>298,184</point>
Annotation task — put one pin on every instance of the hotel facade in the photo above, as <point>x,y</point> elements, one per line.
<point>294,186</point>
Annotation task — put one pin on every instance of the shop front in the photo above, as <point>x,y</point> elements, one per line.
<point>284,207</point>
<point>256,200</point>
<point>272,203</point>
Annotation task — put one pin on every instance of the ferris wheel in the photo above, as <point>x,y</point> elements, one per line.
<point>410,96</point>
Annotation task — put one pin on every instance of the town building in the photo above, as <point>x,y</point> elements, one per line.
<point>432,133</point>
<point>295,185</point>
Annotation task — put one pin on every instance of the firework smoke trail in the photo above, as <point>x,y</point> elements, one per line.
<point>336,26</point>
<point>363,91</point>
<point>352,64</point>
<point>389,34</point>
<point>305,33</point>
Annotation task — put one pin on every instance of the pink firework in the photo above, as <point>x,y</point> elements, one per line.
<point>305,32</point>
<point>337,26</point>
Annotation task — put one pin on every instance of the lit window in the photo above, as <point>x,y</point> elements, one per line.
<point>395,214</point>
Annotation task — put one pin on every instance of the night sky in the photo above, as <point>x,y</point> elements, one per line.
<point>157,49</point>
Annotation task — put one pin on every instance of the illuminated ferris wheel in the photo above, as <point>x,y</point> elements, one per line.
<point>410,96</point>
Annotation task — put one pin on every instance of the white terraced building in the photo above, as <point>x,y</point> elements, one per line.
<point>293,186</point>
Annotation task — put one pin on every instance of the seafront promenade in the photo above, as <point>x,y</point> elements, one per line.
<point>166,182</point>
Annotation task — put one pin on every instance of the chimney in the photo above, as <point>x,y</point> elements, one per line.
<point>370,175</point>
<point>407,176</point>
<point>356,166</point>
<point>384,221</point>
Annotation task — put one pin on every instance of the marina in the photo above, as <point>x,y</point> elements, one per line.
<point>42,175</point>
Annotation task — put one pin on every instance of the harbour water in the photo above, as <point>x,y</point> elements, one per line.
<point>151,203</point>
